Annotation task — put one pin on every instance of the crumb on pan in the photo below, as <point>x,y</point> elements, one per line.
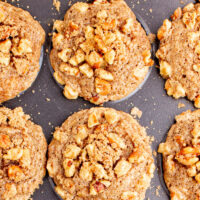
<point>181,105</point>
<point>56,4</point>
<point>136,112</point>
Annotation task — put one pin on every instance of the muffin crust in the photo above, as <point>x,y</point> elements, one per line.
<point>100,153</point>
<point>100,51</point>
<point>21,39</point>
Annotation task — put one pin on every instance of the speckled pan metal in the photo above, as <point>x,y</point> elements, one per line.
<point>47,106</point>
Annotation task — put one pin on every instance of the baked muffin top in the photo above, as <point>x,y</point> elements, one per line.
<point>22,155</point>
<point>100,153</point>
<point>100,51</point>
<point>179,53</point>
<point>21,39</point>
<point>181,153</point>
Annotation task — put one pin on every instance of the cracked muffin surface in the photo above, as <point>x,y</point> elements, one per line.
<point>100,153</point>
<point>100,51</point>
<point>21,39</point>
<point>181,154</point>
<point>179,53</point>
<point>22,155</point>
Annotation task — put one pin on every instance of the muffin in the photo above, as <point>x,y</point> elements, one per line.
<point>100,153</point>
<point>22,155</point>
<point>100,51</point>
<point>181,155</point>
<point>179,53</point>
<point>21,39</point>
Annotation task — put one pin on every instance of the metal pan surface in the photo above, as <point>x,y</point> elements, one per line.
<point>47,106</point>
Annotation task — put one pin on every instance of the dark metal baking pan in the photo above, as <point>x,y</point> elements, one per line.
<point>47,106</point>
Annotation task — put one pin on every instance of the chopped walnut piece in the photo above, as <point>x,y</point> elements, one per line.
<point>58,78</point>
<point>197,48</point>
<point>110,37</point>
<point>64,54</point>
<point>24,47</point>
<point>4,59</point>
<point>93,120</point>
<point>90,149</point>
<point>197,178</point>
<point>129,195</point>
<point>4,141</point>
<point>192,171</point>
<point>15,173</point>
<point>71,71</point>
<point>177,14</point>
<point>72,151</point>
<point>104,74</point>
<point>69,167</point>
<point>13,154</point>
<point>95,60</point>
<point>189,7</point>
<point>165,69</point>
<point>86,70</point>
<point>58,135</point>
<point>164,29</point>
<point>189,19</point>
<point>10,191</point>
<point>109,25</point>
<point>21,65</point>
<point>60,191</point>
<point>100,43</point>
<point>82,133</point>
<point>187,156</point>
<point>128,26</point>
<point>175,89</point>
<point>25,160</point>
<point>102,14</point>
<point>57,39</point>
<point>73,26</point>
<point>85,172</point>
<point>58,25</point>
<point>110,57</point>
<point>82,7</point>
<point>102,87</point>
<point>96,187</point>
<point>89,32</point>
<point>122,168</point>
<point>99,171</point>
<point>5,46</point>
<point>196,68</point>
<point>136,156</point>
<point>193,37</point>
<point>197,102</point>
<point>111,116</point>
<point>2,16</point>
<point>114,138</point>
<point>163,148</point>
<point>147,58</point>
<point>70,93</point>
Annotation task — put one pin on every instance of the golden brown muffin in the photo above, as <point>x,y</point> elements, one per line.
<point>100,51</point>
<point>181,153</point>
<point>179,53</point>
<point>22,155</point>
<point>21,39</point>
<point>100,154</point>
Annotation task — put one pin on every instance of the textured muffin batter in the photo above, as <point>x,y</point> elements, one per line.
<point>22,155</point>
<point>179,53</point>
<point>21,39</point>
<point>100,154</point>
<point>100,51</point>
<point>181,153</point>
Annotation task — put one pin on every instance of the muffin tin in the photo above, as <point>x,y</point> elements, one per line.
<point>47,106</point>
